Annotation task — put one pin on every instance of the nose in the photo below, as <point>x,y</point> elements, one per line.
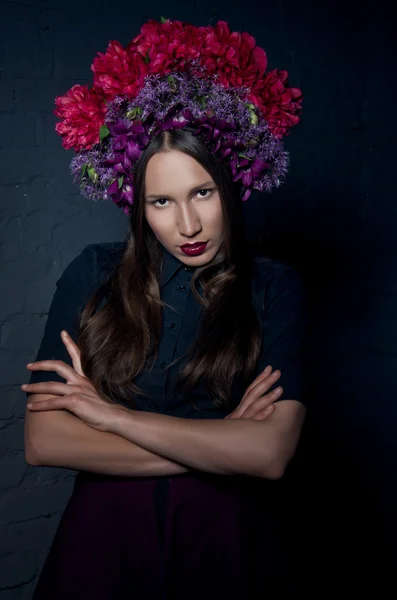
<point>188,221</point>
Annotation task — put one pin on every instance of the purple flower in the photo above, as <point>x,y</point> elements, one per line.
<point>223,117</point>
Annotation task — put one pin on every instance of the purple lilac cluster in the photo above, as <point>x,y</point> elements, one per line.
<point>228,123</point>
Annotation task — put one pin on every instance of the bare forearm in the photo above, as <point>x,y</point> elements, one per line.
<point>59,439</point>
<point>228,447</point>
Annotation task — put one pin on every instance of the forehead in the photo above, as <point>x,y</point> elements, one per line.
<point>173,172</point>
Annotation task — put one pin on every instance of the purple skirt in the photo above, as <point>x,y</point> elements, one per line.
<point>164,538</point>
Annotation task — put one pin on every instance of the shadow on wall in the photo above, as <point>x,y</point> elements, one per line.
<point>339,491</point>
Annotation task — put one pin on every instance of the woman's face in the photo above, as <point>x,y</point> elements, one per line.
<point>182,206</point>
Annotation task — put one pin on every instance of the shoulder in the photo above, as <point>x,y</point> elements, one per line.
<point>94,262</point>
<point>272,278</point>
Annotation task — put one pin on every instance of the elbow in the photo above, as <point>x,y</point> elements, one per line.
<point>274,471</point>
<point>268,469</point>
<point>279,459</point>
<point>31,458</point>
<point>30,452</point>
<point>275,466</point>
<point>30,445</point>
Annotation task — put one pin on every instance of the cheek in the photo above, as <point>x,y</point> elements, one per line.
<point>213,217</point>
<point>159,223</point>
<point>152,218</point>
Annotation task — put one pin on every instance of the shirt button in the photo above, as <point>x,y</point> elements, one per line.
<point>163,365</point>
<point>173,325</point>
<point>182,288</point>
<point>187,268</point>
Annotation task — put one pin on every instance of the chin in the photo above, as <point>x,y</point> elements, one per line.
<point>196,261</point>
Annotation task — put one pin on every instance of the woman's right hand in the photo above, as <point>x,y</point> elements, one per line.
<point>254,405</point>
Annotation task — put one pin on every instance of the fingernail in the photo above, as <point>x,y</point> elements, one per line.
<point>266,369</point>
<point>278,390</point>
<point>25,385</point>
<point>64,333</point>
<point>29,364</point>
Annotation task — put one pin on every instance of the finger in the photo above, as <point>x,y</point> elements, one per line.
<point>260,415</point>
<point>74,352</point>
<point>56,403</point>
<point>59,366</point>
<point>257,391</point>
<point>265,382</point>
<point>262,403</point>
<point>264,414</point>
<point>53,387</point>
<point>265,373</point>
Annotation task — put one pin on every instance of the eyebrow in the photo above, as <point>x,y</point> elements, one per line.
<point>197,188</point>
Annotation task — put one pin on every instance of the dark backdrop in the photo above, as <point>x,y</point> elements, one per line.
<point>335,220</point>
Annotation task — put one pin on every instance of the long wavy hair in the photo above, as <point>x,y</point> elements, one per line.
<point>121,339</point>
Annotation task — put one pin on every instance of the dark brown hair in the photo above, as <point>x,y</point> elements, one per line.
<point>121,339</point>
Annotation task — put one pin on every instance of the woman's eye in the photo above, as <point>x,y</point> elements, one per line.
<point>160,200</point>
<point>206,192</point>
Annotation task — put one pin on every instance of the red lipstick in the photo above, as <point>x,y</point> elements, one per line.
<point>194,249</point>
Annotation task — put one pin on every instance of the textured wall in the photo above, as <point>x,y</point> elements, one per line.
<point>335,219</point>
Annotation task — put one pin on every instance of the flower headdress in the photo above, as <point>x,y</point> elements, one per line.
<point>173,75</point>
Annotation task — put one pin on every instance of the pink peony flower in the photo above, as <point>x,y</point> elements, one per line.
<point>234,56</point>
<point>83,113</point>
<point>118,71</point>
<point>278,103</point>
<point>233,59</point>
<point>169,45</point>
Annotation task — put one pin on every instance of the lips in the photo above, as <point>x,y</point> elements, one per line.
<point>193,249</point>
<point>193,246</point>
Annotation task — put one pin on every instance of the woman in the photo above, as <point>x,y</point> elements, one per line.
<point>172,410</point>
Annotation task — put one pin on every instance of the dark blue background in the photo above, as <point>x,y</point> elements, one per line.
<point>335,220</point>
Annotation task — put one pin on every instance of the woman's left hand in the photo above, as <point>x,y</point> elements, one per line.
<point>77,395</point>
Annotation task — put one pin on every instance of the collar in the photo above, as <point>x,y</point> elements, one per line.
<point>170,266</point>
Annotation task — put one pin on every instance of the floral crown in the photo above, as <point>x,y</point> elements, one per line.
<point>174,75</point>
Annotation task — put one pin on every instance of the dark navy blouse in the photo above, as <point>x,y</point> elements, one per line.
<point>278,297</point>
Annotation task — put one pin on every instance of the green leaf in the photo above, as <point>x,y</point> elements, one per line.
<point>253,142</point>
<point>147,59</point>
<point>242,155</point>
<point>120,180</point>
<point>163,20</point>
<point>92,174</point>
<point>84,169</point>
<point>133,113</point>
<point>103,132</point>
<point>172,83</point>
<point>253,118</point>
